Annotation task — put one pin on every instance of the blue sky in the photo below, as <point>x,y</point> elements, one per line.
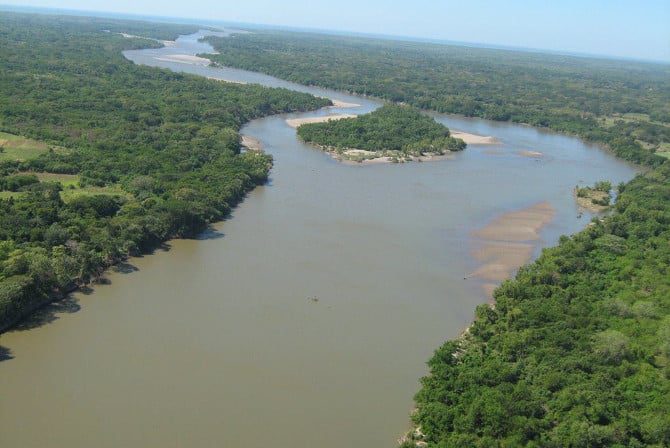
<point>636,29</point>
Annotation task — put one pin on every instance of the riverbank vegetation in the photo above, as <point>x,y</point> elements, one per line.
<point>397,132</point>
<point>103,159</point>
<point>576,350</point>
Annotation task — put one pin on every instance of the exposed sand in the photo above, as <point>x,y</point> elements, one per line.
<point>166,43</point>
<point>531,154</point>
<point>343,104</point>
<point>295,122</point>
<point>473,139</point>
<point>185,59</point>
<point>507,243</point>
<point>226,80</point>
<point>252,144</point>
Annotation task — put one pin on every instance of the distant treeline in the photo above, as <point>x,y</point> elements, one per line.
<point>403,129</point>
<point>599,100</point>
<point>168,141</point>
<point>576,350</point>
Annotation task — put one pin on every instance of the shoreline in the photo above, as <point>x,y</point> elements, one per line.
<point>388,159</point>
<point>251,143</point>
<point>586,203</point>
<point>226,80</point>
<point>337,104</point>
<point>357,157</point>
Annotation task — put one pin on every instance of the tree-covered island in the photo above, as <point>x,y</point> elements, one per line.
<point>393,132</point>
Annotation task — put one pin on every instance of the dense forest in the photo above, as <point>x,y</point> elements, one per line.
<point>121,157</point>
<point>626,106</point>
<point>392,131</point>
<point>576,350</point>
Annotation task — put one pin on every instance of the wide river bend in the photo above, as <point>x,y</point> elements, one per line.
<point>306,319</point>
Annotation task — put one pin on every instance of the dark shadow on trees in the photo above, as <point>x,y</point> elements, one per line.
<point>210,234</point>
<point>124,268</point>
<point>48,314</point>
<point>5,354</point>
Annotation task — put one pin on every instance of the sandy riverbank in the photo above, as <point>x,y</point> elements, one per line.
<point>343,104</point>
<point>507,243</point>
<point>361,157</point>
<point>226,80</point>
<point>295,122</point>
<point>185,59</point>
<point>473,139</point>
<point>251,144</point>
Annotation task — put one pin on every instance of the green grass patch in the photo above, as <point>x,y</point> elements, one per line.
<point>11,194</point>
<point>15,147</point>
<point>66,180</point>
<point>664,150</point>
<point>71,188</point>
<point>69,194</point>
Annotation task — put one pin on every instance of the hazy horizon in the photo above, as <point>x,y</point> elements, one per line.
<point>596,28</point>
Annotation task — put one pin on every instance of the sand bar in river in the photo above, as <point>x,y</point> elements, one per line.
<point>343,104</point>
<point>507,243</point>
<point>295,122</point>
<point>473,139</point>
<point>185,59</point>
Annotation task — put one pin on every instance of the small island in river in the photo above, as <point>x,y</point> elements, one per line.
<point>392,133</point>
<point>595,199</point>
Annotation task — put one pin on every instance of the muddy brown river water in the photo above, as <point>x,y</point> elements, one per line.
<point>306,319</point>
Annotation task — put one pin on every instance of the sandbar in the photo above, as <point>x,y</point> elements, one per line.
<point>295,122</point>
<point>473,139</point>
<point>226,80</point>
<point>185,59</point>
<point>507,243</point>
<point>343,104</point>
<point>531,154</point>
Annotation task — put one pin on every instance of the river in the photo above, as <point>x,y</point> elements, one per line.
<point>304,320</point>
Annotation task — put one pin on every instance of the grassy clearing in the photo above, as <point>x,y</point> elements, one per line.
<point>71,188</point>
<point>66,180</point>
<point>661,149</point>
<point>10,194</point>
<point>14,147</point>
<point>70,193</point>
